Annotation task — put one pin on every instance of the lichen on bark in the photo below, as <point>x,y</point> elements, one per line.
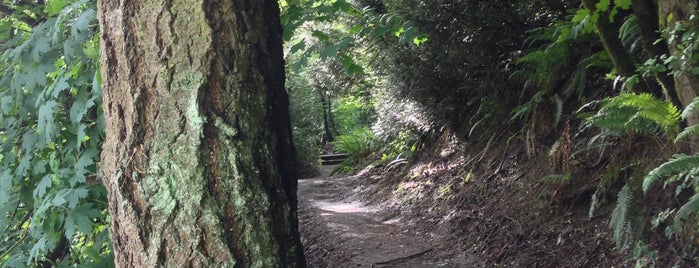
<point>197,155</point>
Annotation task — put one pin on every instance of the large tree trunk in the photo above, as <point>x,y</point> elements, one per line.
<point>686,83</point>
<point>617,53</point>
<point>197,160</point>
<point>646,12</point>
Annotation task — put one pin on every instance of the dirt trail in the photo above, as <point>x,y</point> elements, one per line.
<point>339,229</point>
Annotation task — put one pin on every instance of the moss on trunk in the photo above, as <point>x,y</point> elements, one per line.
<point>197,159</point>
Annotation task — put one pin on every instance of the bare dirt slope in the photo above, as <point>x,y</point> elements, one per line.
<point>339,229</point>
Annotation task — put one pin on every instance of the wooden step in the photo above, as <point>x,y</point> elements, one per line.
<point>331,162</point>
<point>333,156</point>
<point>332,159</point>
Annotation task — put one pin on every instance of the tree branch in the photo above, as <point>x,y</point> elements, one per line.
<point>6,10</point>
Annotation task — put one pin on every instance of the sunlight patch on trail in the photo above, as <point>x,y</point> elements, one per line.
<point>345,207</point>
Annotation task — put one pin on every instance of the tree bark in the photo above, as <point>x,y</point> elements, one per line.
<point>327,116</point>
<point>197,159</point>
<point>647,17</point>
<point>686,83</point>
<point>620,57</point>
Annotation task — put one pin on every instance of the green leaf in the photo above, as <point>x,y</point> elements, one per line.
<point>332,50</point>
<point>59,86</point>
<point>24,165</point>
<point>5,187</point>
<point>623,4</point>
<point>690,108</point>
<point>53,162</point>
<point>683,214</point>
<point>82,23</point>
<point>80,219</point>
<point>45,124</point>
<point>38,50</point>
<point>321,36</point>
<point>301,45</point>
<point>678,163</point>
<point>71,197</point>
<point>42,186</point>
<point>80,134</point>
<point>55,6</point>
<point>580,15</point>
<point>419,40</point>
<point>345,7</point>
<point>398,31</point>
<point>59,199</point>
<point>81,107</point>
<point>619,221</point>
<point>603,5</point>
<point>408,35</point>
<point>350,65</point>
<point>29,140</point>
<point>39,247</point>
<point>7,103</point>
<point>39,168</point>
<point>86,159</point>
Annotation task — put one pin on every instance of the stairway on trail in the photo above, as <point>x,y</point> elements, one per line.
<point>332,159</point>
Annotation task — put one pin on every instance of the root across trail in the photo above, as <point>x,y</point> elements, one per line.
<point>340,229</point>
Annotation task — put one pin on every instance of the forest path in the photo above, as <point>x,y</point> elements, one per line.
<point>339,229</point>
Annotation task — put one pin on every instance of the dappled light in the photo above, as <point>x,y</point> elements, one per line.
<point>344,207</point>
<point>349,133</point>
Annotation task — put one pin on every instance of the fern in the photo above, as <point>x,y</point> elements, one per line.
<point>628,216</point>
<point>523,111</point>
<point>630,33</point>
<point>688,131</point>
<point>357,142</point>
<point>691,130</point>
<point>623,215</point>
<point>678,164</point>
<point>692,206</point>
<point>688,110</point>
<point>640,113</point>
<point>559,108</point>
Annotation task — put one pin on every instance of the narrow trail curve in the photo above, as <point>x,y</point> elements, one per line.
<point>338,229</point>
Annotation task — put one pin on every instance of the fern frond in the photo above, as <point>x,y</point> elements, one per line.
<point>637,113</point>
<point>688,131</point>
<point>619,223</point>
<point>630,32</point>
<point>622,120</point>
<point>678,164</point>
<point>688,110</point>
<point>692,206</point>
<point>576,86</point>
<point>524,110</point>
<point>356,142</point>
<point>559,108</point>
<point>663,113</point>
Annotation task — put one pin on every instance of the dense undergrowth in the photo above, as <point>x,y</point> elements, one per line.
<point>566,126</point>
<point>534,129</point>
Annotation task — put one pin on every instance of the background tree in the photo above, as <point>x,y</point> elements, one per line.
<point>198,158</point>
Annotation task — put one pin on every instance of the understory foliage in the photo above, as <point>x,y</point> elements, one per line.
<point>306,110</point>
<point>539,67</point>
<point>377,77</point>
<point>52,209</point>
<point>642,114</point>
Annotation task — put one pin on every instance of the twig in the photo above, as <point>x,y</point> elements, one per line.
<point>403,258</point>
<point>587,257</point>
<point>20,240</point>
<point>504,156</point>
